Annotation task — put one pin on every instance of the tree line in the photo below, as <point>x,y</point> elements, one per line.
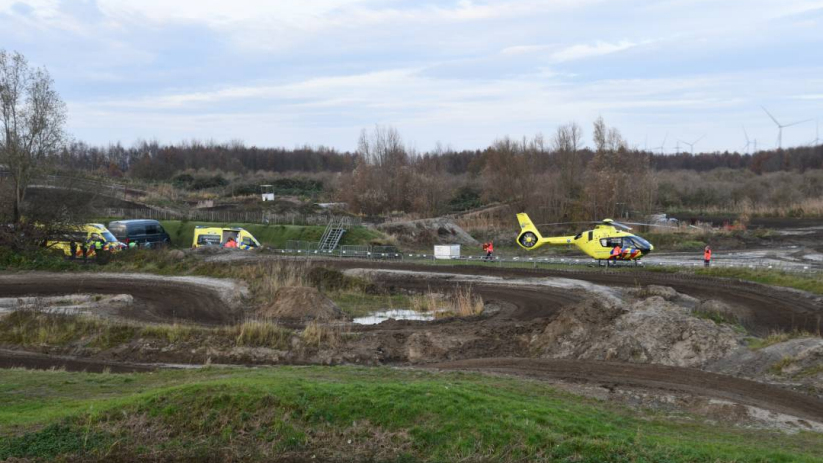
<point>150,160</point>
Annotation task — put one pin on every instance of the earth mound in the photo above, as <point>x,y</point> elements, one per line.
<point>299,303</point>
<point>428,232</point>
<point>652,330</point>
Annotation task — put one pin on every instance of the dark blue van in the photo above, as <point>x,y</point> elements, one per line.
<point>144,232</point>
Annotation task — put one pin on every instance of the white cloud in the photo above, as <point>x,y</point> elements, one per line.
<point>599,48</point>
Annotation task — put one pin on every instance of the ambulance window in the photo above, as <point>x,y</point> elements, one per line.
<point>249,242</point>
<point>208,240</point>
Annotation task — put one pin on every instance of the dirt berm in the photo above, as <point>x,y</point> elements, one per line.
<point>301,304</point>
<point>651,330</point>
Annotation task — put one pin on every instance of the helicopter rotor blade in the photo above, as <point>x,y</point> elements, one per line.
<point>621,225</point>
<point>650,225</point>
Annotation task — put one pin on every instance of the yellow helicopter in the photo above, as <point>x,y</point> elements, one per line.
<point>609,241</point>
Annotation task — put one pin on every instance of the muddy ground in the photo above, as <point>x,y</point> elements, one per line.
<point>535,311</point>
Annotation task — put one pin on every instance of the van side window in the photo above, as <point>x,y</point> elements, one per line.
<point>152,229</point>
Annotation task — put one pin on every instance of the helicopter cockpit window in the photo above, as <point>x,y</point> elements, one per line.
<point>611,242</point>
<point>640,242</point>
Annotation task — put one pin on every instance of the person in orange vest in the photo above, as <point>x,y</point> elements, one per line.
<point>616,251</point>
<point>707,256</point>
<point>489,248</point>
<point>230,243</point>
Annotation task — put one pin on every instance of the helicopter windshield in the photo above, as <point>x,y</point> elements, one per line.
<point>638,242</point>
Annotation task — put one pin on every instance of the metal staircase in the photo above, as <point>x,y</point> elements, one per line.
<point>333,234</point>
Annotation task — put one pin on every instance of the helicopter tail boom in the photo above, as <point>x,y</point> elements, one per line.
<point>530,237</point>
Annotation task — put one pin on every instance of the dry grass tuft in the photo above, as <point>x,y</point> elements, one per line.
<point>466,304</point>
<point>429,302</point>
<point>260,333</point>
<point>265,279</point>
<point>317,335</point>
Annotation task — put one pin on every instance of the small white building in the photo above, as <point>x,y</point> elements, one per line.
<point>267,192</point>
<point>447,251</point>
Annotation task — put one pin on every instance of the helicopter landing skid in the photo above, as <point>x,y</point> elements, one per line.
<point>619,263</point>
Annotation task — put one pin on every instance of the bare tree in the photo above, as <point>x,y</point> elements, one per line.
<point>566,144</point>
<point>32,116</point>
<point>384,148</point>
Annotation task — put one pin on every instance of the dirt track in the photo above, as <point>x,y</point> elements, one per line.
<point>159,299</point>
<point>156,299</point>
<point>165,300</point>
<point>770,308</point>
<point>18,359</point>
<point>656,377</point>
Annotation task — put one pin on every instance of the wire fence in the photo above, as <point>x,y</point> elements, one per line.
<point>390,252</point>
<point>310,248</point>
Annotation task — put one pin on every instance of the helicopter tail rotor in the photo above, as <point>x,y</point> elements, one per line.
<point>529,237</point>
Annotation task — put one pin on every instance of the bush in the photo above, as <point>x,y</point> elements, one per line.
<point>202,183</point>
<point>465,198</point>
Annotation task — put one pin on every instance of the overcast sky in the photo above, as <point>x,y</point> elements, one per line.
<point>291,72</point>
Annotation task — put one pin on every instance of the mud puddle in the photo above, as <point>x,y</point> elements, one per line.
<point>394,314</point>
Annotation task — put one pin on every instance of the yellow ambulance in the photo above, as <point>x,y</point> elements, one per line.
<point>227,237</point>
<point>88,234</point>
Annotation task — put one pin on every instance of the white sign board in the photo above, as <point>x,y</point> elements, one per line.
<point>447,251</point>
<point>268,196</point>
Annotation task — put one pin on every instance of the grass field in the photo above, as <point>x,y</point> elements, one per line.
<point>812,283</point>
<point>275,236</point>
<point>349,413</point>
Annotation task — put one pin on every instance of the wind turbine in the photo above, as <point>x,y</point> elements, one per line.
<point>748,142</point>
<point>780,127</point>
<point>691,145</point>
<point>816,140</point>
<point>662,146</point>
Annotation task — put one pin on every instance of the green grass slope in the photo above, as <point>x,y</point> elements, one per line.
<point>350,414</point>
<point>276,236</point>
